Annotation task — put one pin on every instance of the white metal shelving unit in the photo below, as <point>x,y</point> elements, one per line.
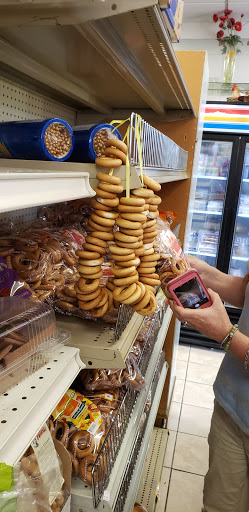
<point>42,78</point>
<point>150,478</point>
<point>26,407</point>
<point>82,494</point>
<point>95,340</point>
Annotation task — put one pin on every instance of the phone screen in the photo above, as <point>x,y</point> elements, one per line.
<point>191,295</point>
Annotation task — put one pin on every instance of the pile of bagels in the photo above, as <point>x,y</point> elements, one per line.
<point>124,229</point>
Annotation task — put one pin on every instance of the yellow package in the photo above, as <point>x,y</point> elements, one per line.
<point>79,411</point>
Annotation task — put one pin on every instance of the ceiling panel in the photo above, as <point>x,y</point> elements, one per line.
<point>201,12</point>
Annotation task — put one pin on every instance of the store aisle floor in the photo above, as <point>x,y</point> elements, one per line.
<point>186,459</point>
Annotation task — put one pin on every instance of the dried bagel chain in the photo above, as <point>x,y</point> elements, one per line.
<point>131,245</point>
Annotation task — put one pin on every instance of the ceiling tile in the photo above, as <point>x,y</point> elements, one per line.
<point>201,12</point>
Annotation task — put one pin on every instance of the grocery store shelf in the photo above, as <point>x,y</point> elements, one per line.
<point>203,253</point>
<point>165,175</point>
<point>26,407</point>
<point>95,340</point>
<point>200,177</point>
<point>81,494</point>
<point>27,183</point>
<point>145,76</point>
<point>131,496</point>
<point>206,212</point>
<point>159,175</point>
<point>152,471</point>
<point>243,216</point>
<point>63,12</point>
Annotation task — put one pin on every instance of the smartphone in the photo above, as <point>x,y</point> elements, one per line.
<point>189,291</point>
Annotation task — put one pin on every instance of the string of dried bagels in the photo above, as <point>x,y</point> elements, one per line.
<point>126,226</point>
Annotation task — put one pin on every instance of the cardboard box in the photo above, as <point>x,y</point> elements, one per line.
<point>172,11</point>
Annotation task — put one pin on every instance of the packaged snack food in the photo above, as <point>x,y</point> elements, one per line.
<point>80,426</point>
<point>52,139</point>
<point>172,261</point>
<point>90,142</point>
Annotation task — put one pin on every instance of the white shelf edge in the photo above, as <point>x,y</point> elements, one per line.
<point>243,216</point>
<point>82,495</point>
<point>240,258</point>
<point>202,253</point>
<point>24,183</point>
<point>206,212</point>
<point>94,340</point>
<point>43,390</point>
<point>131,496</point>
<point>210,177</point>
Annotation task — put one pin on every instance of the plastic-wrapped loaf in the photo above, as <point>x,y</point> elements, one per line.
<point>90,143</point>
<point>51,139</point>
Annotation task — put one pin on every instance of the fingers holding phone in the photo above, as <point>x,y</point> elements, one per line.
<point>213,321</point>
<point>189,291</point>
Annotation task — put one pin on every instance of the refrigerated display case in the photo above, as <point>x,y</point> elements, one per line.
<point>219,210</point>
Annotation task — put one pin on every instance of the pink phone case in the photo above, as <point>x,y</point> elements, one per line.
<point>189,291</point>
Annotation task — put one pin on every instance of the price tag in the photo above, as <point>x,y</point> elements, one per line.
<point>106,496</point>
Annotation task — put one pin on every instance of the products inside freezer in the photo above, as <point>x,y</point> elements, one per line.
<point>215,206</point>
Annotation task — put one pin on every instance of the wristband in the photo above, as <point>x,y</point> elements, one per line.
<point>225,344</point>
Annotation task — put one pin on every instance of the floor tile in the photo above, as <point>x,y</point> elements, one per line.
<point>178,390</point>
<point>185,492</point>
<point>195,420</point>
<point>200,395</point>
<point>181,369</point>
<point>174,415</point>
<point>196,373</point>
<point>191,454</point>
<point>183,352</point>
<point>163,490</point>
<point>170,449</point>
<point>207,356</point>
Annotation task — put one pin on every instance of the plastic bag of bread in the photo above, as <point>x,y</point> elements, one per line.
<point>132,375</point>
<point>63,214</point>
<point>38,477</point>
<point>79,425</point>
<point>101,379</point>
<point>139,508</point>
<point>172,261</point>
<point>45,261</point>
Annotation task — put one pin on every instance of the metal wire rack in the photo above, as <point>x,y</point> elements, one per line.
<point>157,149</point>
<point>103,465</point>
<point>138,442</point>
<point>125,313</point>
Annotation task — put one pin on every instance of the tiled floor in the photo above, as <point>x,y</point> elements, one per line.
<point>186,459</point>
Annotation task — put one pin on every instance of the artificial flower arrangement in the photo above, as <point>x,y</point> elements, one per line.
<point>228,24</point>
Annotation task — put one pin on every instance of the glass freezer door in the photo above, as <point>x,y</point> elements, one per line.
<point>240,246</point>
<point>208,204</point>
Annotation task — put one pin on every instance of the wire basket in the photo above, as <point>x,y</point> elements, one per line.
<point>157,149</point>
<point>125,313</point>
<point>104,463</point>
<point>119,506</point>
